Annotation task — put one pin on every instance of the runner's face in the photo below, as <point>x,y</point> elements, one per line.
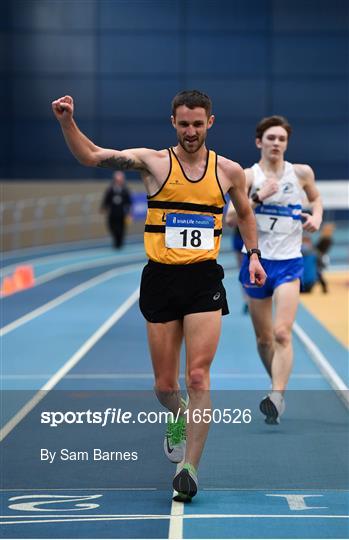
<point>273,144</point>
<point>191,126</point>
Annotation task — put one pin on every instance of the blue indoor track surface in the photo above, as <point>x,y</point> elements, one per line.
<point>77,341</point>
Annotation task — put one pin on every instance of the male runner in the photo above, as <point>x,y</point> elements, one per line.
<point>182,295</point>
<point>276,189</point>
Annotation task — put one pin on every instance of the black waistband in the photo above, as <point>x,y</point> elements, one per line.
<point>210,263</point>
<point>163,205</point>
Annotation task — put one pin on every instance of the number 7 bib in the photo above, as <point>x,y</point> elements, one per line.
<point>278,219</point>
<point>189,231</point>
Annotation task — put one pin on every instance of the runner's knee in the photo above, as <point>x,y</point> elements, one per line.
<point>165,386</point>
<point>282,335</point>
<point>265,341</point>
<point>198,379</point>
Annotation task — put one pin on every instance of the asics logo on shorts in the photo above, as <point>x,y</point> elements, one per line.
<point>216,296</point>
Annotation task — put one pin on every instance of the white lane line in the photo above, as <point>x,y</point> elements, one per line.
<point>72,247</point>
<point>231,273</point>
<point>323,364</point>
<point>82,376</point>
<point>235,489</point>
<point>84,265</point>
<point>100,243</point>
<point>286,488</point>
<point>5,490</point>
<point>71,255</point>
<point>337,267</point>
<point>176,520</point>
<point>149,375</point>
<point>69,364</point>
<point>143,517</point>
<point>167,516</point>
<point>68,257</point>
<point>175,529</point>
<point>67,296</point>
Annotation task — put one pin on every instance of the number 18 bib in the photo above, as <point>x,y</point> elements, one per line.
<point>189,231</point>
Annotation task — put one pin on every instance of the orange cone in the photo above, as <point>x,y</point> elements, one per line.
<point>18,280</point>
<point>24,276</point>
<point>8,286</point>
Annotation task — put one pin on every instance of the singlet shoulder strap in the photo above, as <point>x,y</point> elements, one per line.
<point>257,173</point>
<point>167,177</point>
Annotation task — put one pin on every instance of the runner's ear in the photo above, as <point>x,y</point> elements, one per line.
<point>210,121</point>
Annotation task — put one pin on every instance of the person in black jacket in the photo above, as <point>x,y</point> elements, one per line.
<point>322,247</point>
<point>116,204</point>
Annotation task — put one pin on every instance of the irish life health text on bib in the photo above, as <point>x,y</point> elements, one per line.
<point>279,219</point>
<point>189,231</point>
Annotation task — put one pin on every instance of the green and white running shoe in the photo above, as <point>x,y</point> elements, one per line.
<point>186,483</point>
<point>174,443</point>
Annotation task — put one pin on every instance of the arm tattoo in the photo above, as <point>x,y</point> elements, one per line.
<point>120,163</point>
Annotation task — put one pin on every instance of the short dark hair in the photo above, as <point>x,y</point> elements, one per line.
<point>271,121</point>
<point>192,99</point>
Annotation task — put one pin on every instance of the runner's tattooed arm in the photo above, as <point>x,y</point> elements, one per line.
<point>117,163</point>
<point>85,151</point>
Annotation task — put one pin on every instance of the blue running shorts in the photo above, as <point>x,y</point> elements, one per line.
<point>278,272</point>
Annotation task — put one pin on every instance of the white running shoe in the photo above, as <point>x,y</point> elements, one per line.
<point>175,439</point>
<point>273,406</point>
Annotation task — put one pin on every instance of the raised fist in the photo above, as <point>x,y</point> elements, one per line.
<point>63,108</point>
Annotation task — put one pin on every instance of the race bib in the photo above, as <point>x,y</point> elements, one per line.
<point>189,231</point>
<point>277,219</point>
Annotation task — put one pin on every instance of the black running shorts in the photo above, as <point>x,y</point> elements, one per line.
<point>169,292</point>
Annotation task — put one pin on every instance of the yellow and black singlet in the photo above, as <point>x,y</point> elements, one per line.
<point>184,218</point>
